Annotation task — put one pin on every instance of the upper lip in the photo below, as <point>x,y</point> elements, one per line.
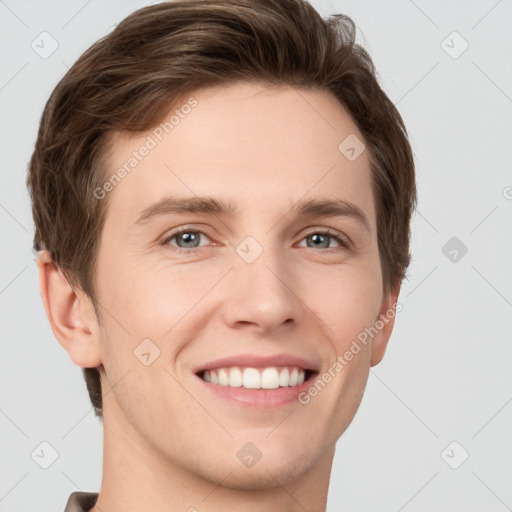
<point>258,361</point>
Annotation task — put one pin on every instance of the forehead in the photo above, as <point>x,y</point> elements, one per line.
<point>250,142</point>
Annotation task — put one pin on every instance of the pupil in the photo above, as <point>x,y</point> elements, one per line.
<point>187,237</point>
<point>316,237</point>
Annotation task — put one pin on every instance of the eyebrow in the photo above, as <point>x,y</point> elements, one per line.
<point>213,206</point>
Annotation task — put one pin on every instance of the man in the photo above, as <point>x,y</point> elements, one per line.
<point>222,196</point>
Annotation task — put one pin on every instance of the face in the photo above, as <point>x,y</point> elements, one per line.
<point>181,286</point>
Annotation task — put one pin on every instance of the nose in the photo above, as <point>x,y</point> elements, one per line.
<point>261,295</point>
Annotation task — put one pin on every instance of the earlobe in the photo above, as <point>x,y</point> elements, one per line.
<point>384,324</point>
<point>72,318</point>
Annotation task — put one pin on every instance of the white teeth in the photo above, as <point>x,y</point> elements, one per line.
<point>269,378</point>
<point>235,378</point>
<point>284,377</point>
<point>293,377</point>
<point>223,377</point>
<point>253,378</point>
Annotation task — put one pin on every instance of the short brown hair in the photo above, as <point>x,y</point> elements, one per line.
<point>127,80</point>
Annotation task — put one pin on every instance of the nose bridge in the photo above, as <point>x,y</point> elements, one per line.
<point>261,284</point>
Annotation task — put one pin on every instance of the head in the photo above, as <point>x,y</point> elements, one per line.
<point>261,106</point>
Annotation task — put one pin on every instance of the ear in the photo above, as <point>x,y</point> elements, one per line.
<point>71,316</point>
<point>384,322</point>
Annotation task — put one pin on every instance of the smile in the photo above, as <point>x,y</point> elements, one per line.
<point>271,377</point>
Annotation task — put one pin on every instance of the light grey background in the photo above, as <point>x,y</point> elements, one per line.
<point>447,373</point>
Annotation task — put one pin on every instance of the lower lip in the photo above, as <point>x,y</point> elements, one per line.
<point>261,398</point>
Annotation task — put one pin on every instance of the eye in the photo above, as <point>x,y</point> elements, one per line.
<point>320,239</point>
<point>188,240</point>
<point>189,237</point>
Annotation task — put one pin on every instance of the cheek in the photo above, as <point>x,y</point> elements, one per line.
<point>348,298</point>
<point>152,316</point>
<point>168,299</point>
<point>144,295</point>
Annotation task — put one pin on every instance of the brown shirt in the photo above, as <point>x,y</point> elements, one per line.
<point>81,501</point>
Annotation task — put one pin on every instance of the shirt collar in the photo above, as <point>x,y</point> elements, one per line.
<point>81,501</point>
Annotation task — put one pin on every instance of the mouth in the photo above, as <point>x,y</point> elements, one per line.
<point>257,381</point>
<point>256,388</point>
<point>252,378</point>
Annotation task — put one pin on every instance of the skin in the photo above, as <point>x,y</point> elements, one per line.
<point>167,444</point>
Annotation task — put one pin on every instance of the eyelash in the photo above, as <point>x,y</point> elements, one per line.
<point>341,239</point>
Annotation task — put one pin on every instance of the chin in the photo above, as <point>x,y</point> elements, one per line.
<point>264,477</point>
